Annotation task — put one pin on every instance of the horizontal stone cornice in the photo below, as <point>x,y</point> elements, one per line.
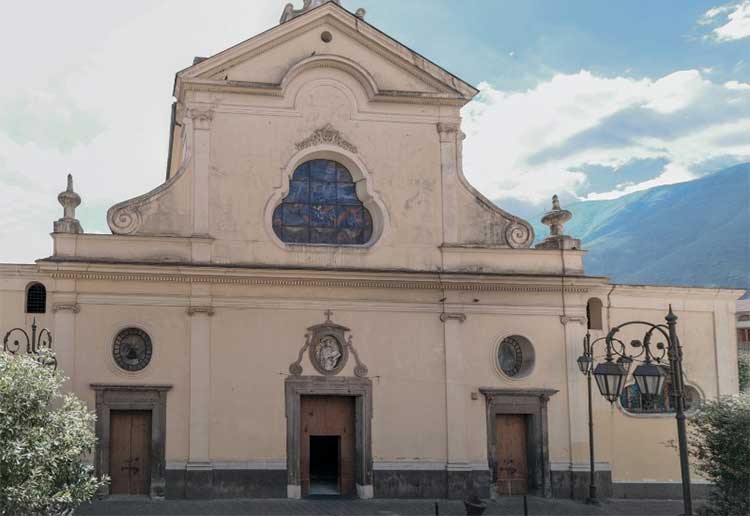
<point>340,279</point>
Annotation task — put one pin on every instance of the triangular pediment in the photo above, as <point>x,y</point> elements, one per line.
<point>390,69</point>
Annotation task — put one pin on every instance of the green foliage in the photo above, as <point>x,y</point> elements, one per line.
<point>43,437</point>
<point>743,370</point>
<point>720,447</point>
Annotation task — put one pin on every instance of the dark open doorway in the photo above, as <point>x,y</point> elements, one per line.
<point>325,458</point>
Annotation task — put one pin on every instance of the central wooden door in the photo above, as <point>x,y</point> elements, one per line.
<point>512,470</point>
<point>129,456</point>
<point>327,425</point>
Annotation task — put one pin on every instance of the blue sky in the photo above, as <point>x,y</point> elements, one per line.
<point>587,99</point>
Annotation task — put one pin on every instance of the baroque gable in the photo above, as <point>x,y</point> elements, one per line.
<point>322,88</point>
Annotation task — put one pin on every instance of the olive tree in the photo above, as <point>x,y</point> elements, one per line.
<point>43,439</point>
<point>720,447</point>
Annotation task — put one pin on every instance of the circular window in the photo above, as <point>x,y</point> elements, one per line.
<point>515,356</point>
<point>326,36</point>
<point>132,349</point>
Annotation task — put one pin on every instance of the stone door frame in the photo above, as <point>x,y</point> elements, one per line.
<point>152,398</point>
<point>361,390</point>
<point>533,404</point>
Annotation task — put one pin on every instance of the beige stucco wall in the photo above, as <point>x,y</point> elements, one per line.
<point>257,331</point>
<point>195,263</point>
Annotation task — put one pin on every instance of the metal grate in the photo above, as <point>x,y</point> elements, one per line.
<point>36,299</point>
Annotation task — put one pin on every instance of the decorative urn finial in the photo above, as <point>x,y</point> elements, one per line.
<point>69,201</point>
<point>556,219</point>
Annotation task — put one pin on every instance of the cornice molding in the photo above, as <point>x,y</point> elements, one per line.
<point>480,284</point>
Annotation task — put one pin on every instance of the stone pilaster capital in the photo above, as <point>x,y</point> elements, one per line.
<point>201,117</point>
<point>452,316</point>
<point>200,310</point>
<point>66,307</point>
<point>448,131</point>
<point>565,319</point>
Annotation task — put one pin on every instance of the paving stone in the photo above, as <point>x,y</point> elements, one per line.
<point>338,507</point>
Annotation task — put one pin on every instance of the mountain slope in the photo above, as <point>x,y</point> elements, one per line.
<point>695,233</point>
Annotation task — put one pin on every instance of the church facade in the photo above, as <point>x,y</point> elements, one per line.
<point>316,301</point>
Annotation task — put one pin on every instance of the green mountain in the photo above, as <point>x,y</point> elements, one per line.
<point>695,233</point>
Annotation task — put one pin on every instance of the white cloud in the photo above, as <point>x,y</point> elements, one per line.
<point>734,20</point>
<point>93,99</point>
<point>735,85</point>
<point>530,145</point>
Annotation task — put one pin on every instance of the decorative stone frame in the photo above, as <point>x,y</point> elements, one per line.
<point>111,397</point>
<point>319,333</point>
<point>361,389</point>
<point>531,403</point>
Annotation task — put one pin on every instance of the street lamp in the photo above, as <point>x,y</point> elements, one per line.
<point>35,344</point>
<point>610,377</point>
<point>649,375</point>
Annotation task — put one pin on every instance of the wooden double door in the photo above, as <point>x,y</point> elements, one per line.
<point>512,466</point>
<point>130,452</point>
<point>327,442</point>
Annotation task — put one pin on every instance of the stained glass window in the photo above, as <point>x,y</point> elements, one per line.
<point>322,207</point>
<point>632,400</point>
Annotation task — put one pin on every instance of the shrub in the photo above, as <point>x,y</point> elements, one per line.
<point>43,437</point>
<point>720,447</point>
<point>743,371</point>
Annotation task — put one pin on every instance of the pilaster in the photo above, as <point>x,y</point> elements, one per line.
<point>65,308</point>
<point>199,475</point>
<point>725,345</point>
<point>574,330</point>
<point>449,134</point>
<point>456,397</point>
<point>201,122</point>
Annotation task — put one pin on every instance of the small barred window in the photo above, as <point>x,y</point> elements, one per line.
<point>633,401</point>
<point>36,299</point>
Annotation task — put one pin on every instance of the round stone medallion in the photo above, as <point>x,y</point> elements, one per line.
<point>132,349</point>
<point>328,354</point>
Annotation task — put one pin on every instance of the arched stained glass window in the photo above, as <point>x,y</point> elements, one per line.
<point>322,207</point>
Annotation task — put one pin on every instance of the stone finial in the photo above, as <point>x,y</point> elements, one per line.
<point>290,12</point>
<point>360,13</point>
<point>69,201</point>
<point>556,219</point>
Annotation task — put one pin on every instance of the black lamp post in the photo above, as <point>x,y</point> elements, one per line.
<point>649,375</point>
<point>35,344</point>
<point>585,363</point>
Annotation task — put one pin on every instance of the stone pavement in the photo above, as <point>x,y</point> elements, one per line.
<point>379,507</point>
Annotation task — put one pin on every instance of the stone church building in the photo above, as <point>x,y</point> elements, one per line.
<point>316,301</point>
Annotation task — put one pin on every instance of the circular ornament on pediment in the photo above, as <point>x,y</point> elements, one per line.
<point>328,354</point>
<point>126,220</point>
<point>132,349</point>
<point>518,235</point>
